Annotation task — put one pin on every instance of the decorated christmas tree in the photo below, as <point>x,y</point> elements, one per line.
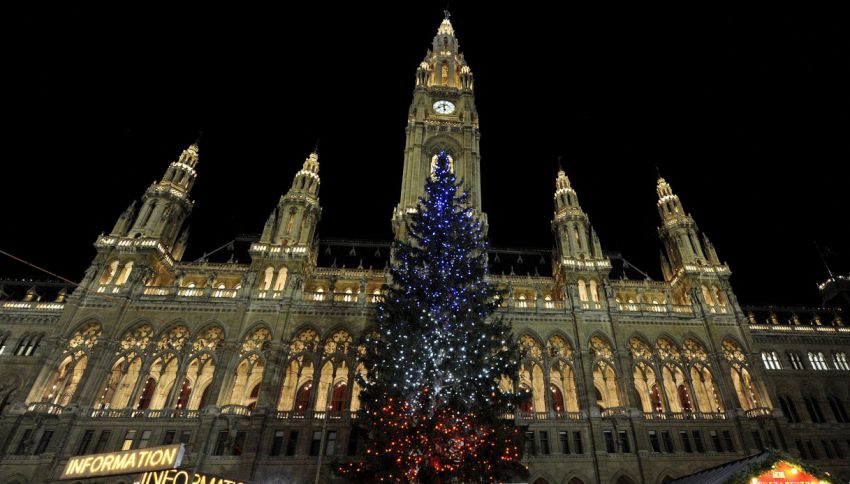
<point>437,398</point>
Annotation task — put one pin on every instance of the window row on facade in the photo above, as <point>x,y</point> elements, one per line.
<point>817,361</point>
<point>179,371</point>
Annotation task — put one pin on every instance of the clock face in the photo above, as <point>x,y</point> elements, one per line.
<point>444,107</point>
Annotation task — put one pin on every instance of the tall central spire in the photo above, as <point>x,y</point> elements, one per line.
<point>442,118</point>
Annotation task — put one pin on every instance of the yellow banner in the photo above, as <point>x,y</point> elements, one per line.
<point>177,476</point>
<point>124,462</point>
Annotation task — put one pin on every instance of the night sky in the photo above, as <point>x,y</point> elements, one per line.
<point>746,115</point>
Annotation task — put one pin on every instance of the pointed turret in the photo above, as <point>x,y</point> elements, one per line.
<point>165,205</point>
<point>288,241</point>
<point>579,250</point>
<point>293,221</point>
<point>689,260</point>
<point>679,232</point>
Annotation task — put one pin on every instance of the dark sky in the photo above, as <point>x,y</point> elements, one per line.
<point>747,115</point>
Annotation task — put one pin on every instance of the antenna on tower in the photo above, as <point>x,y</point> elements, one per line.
<point>560,167</point>
<point>823,259</point>
<point>316,148</point>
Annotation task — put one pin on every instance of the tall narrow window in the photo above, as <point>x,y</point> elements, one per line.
<point>316,443</point>
<point>796,362</point>
<point>84,442</point>
<point>102,441</point>
<point>609,441</point>
<point>277,443</point>
<point>330,442</point>
<point>564,437</point>
<point>727,439</point>
<point>144,440</point>
<point>715,440</point>
<point>183,397</point>
<point>220,443</point>
<point>654,442</point>
<point>338,397</point>
<point>292,443</point>
<point>577,443</point>
<point>686,441</point>
<point>840,361</point>
<point>544,442</point>
<point>23,443</point>
<point>44,442</point>
<point>625,447</point>
<point>239,443</point>
<point>302,398</point>
<point>668,441</point>
<point>698,444</point>
<point>557,398</point>
<point>129,437</point>
<point>147,394</point>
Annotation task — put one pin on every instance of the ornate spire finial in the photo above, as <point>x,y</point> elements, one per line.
<point>446,13</point>
<point>316,148</point>
<point>560,166</point>
<point>657,172</point>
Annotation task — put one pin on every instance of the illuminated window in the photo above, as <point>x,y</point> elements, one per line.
<point>795,360</point>
<point>434,164</point>
<point>771,360</point>
<point>838,359</point>
<point>129,437</point>
<point>817,361</point>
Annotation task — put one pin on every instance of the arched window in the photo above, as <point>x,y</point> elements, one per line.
<point>268,275</point>
<point>338,396</point>
<point>183,396</point>
<point>253,396</point>
<point>557,398</point>
<point>577,236</point>
<point>655,399</point>
<point>582,290</point>
<point>594,290</point>
<point>109,273</point>
<point>434,163</point>
<point>685,399</point>
<point>280,283</point>
<point>125,273</point>
<point>348,295</point>
<point>319,295</point>
<point>146,396</point>
<point>527,405</point>
<point>521,302</point>
<point>302,397</point>
<point>707,295</point>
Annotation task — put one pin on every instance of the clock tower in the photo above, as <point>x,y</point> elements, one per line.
<point>442,117</point>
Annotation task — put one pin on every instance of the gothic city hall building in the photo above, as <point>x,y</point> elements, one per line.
<point>253,366</point>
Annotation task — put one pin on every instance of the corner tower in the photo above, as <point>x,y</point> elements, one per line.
<point>442,117</point>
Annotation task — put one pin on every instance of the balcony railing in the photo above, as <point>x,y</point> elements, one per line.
<point>613,412</point>
<point>684,416</point>
<point>45,408</point>
<point>759,412</point>
<point>315,414</point>
<point>241,410</point>
<point>146,413</point>
<point>38,306</point>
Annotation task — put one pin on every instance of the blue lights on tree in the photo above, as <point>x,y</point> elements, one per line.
<point>437,395</point>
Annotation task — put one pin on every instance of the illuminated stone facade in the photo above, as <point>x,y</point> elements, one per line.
<point>252,365</point>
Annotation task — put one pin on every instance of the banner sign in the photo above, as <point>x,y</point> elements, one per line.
<point>123,462</point>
